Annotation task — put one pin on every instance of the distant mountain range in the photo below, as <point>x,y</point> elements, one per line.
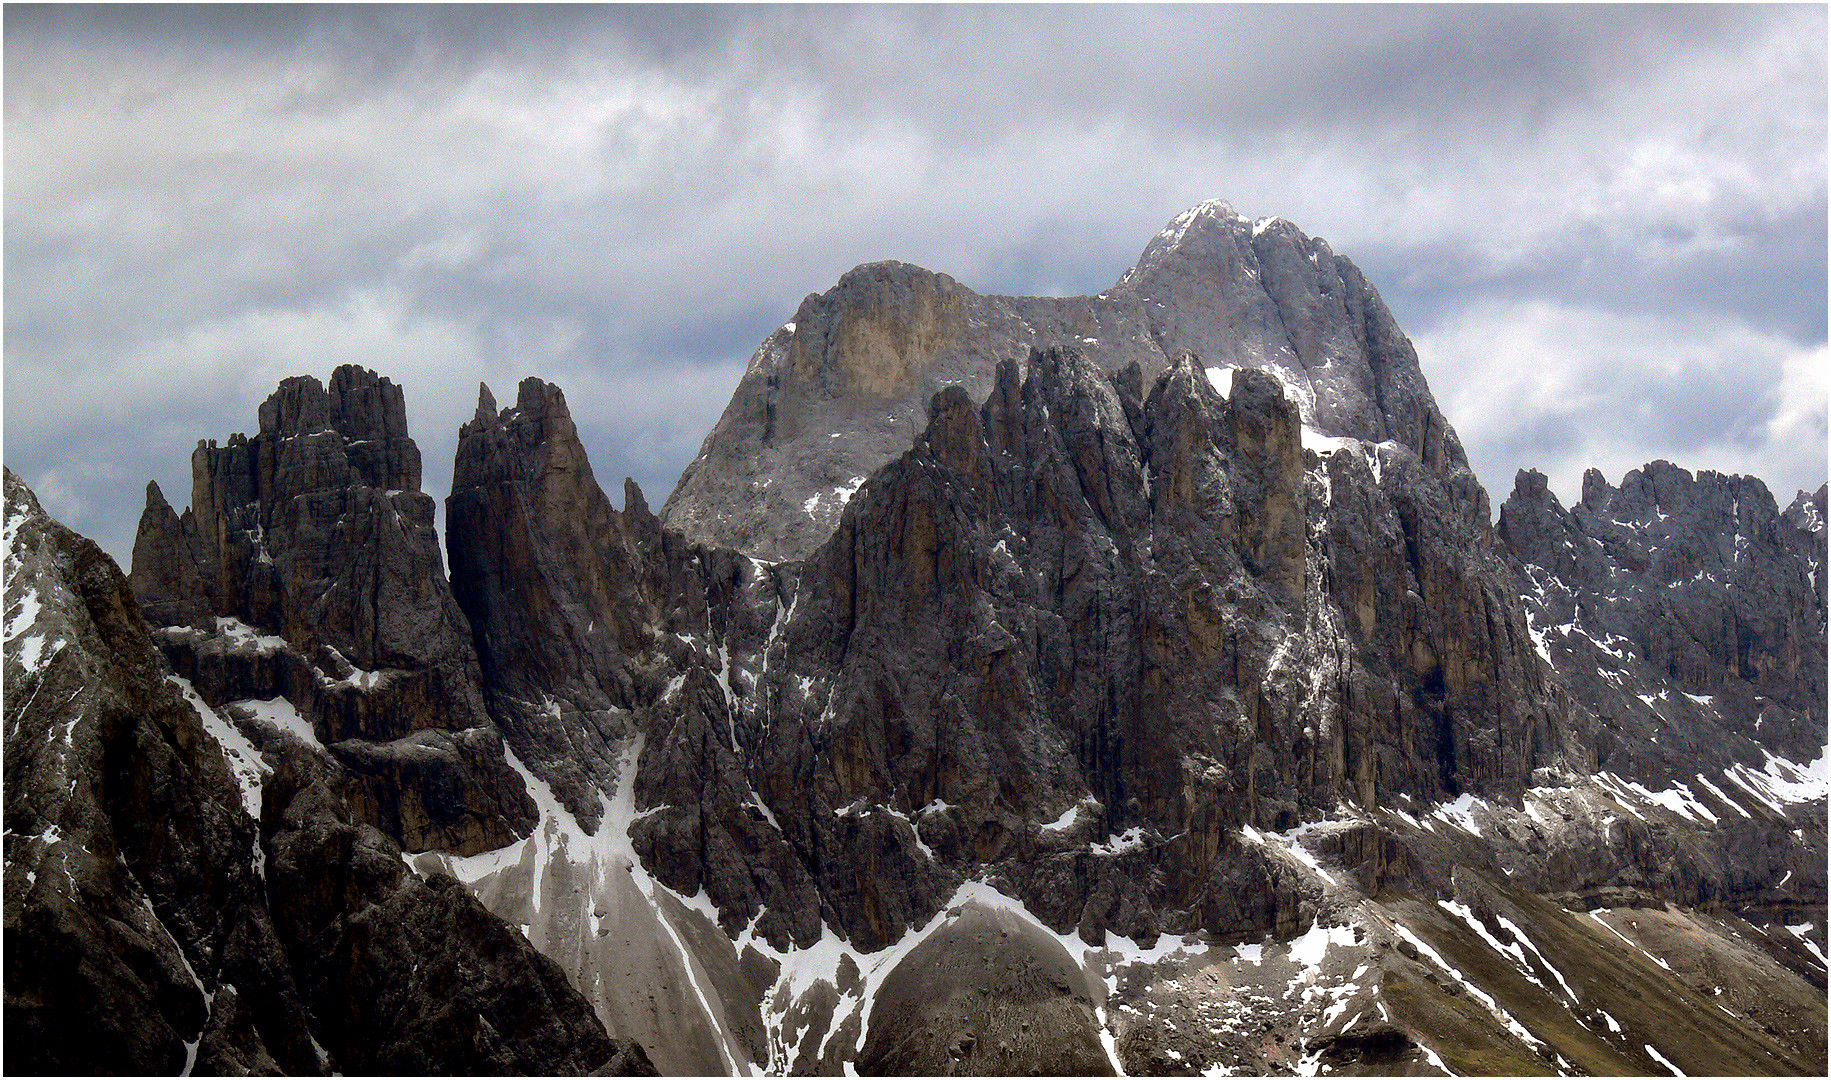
<point>1134,683</point>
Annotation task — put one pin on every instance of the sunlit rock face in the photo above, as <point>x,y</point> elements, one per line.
<point>842,388</point>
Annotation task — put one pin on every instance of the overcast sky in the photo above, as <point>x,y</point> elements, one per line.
<point>1604,229</point>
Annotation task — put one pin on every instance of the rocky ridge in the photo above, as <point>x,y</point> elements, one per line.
<point>906,710</point>
<point>1673,594</point>
<point>1167,664</point>
<point>307,568</point>
<point>1087,637</point>
<point>189,893</point>
<point>842,388</point>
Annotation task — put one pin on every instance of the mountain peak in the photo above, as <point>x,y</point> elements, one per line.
<point>847,389</point>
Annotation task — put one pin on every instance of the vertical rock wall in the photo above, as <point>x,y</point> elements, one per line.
<point>314,533</point>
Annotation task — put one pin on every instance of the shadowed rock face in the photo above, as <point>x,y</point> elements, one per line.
<point>841,390</point>
<point>1069,597</point>
<point>155,924</point>
<point>1806,513</point>
<point>1685,612</point>
<point>551,578</point>
<point>1159,608</point>
<point>314,533</point>
<point>1091,625</point>
<point>1161,622</point>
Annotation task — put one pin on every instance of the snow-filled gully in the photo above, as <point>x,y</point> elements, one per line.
<point>576,894</point>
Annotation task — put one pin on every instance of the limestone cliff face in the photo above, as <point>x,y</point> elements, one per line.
<point>597,627</point>
<point>308,567</point>
<point>842,389</point>
<point>1071,598</point>
<point>559,587</point>
<point>180,899</point>
<point>1136,656</point>
<point>1806,513</point>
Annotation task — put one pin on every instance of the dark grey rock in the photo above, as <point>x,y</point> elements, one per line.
<point>1681,612</point>
<point>314,533</point>
<point>152,924</point>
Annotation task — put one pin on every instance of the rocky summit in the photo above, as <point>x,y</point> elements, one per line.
<point>1137,683</point>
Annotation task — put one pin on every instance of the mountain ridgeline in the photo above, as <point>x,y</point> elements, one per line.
<point>1132,683</point>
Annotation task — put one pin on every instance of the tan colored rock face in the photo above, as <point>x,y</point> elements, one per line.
<point>843,388</point>
<point>879,348</point>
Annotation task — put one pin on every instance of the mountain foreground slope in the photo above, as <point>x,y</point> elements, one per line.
<point>1120,684</point>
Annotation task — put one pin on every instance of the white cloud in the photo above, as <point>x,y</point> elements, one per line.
<point>628,203</point>
<point>1537,384</point>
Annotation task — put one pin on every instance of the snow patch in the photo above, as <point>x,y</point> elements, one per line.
<point>1069,815</point>
<point>1800,932</point>
<point>284,715</point>
<point>1130,840</point>
<point>245,762</point>
<point>239,637</point>
<point>1661,1058</point>
<point>1474,991</point>
<point>1459,813</point>
<point>24,615</point>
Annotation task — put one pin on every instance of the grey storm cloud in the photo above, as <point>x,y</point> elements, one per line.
<point>1604,227</point>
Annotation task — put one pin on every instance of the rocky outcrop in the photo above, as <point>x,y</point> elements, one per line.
<point>411,977</point>
<point>834,394</point>
<point>839,391</point>
<point>1070,598</point>
<point>1155,617</point>
<point>1806,513</point>
<point>308,568</point>
<point>597,627</point>
<point>177,899</point>
<point>1681,612</point>
<point>129,869</point>
<point>551,578</point>
<point>986,995</point>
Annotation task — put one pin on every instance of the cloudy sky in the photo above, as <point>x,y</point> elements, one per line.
<point>1604,229</point>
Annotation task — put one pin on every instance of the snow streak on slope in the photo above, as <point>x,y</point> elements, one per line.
<point>627,941</point>
<point>244,761</point>
<point>586,901</point>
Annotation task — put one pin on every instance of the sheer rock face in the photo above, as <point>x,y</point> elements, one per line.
<point>153,923</point>
<point>841,390</point>
<point>1806,513</point>
<point>550,576</point>
<point>314,535</point>
<point>1108,598</point>
<point>1683,612</point>
<point>1156,614</point>
<point>411,977</point>
<point>127,852</point>
<point>1068,598</point>
<point>595,627</point>
<point>1174,610</point>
